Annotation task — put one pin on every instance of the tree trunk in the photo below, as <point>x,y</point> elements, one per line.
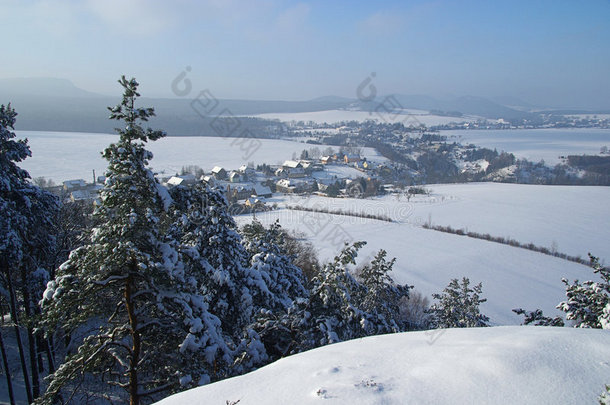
<point>134,397</point>
<point>7,371</point>
<point>27,305</point>
<point>48,344</point>
<point>15,318</point>
<point>33,363</point>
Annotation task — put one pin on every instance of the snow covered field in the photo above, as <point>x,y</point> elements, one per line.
<point>575,218</point>
<point>408,117</point>
<point>537,144</point>
<point>71,155</point>
<point>501,365</point>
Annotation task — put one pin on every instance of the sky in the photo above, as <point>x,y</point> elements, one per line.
<point>544,52</point>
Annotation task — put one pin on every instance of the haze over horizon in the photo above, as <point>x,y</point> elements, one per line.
<point>545,53</point>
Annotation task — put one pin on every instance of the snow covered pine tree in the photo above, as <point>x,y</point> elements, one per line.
<point>126,299</point>
<point>588,304</point>
<point>279,325</point>
<point>382,296</point>
<point>458,306</point>
<point>238,284</point>
<point>27,242</point>
<point>334,314</point>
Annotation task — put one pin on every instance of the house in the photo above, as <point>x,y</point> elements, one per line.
<point>254,203</point>
<point>73,185</point>
<point>246,170</point>
<point>210,180</point>
<point>219,173</point>
<point>294,186</point>
<point>281,172</point>
<point>90,193</point>
<point>351,158</point>
<point>305,164</point>
<point>363,165</point>
<point>239,191</point>
<point>285,186</point>
<point>292,169</point>
<point>183,180</point>
<point>292,164</point>
<point>296,173</point>
<point>235,177</point>
<point>262,191</point>
<point>326,160</point>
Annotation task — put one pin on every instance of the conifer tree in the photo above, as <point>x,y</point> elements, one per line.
<point>234,291</point>
<point>588,304</point>
<point>265,247</point>
<point>604,398</point>
<point>132,307</point>
<point>537,318</point>
<point>332,306</point>
<point>382,296</point>
<point>27,241</point>
<point>279,323</point>
<point>458,306</point>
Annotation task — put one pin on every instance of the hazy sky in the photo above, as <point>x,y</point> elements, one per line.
<point>542,51</point>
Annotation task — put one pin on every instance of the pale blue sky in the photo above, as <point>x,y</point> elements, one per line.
<point>542,51</point>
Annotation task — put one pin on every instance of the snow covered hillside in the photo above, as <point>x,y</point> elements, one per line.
<point>408,116</point>
<point>499,365</point>
<point>536,144</point>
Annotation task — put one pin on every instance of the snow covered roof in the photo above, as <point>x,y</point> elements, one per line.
<point>292,164</point>
<point>208,179</point>
<point>217,169</point>
<point>71,184</point>
<point>184,179</point>
<point>260,190</point>
<point>284,183</point>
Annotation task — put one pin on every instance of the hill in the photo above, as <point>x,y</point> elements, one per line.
<point>52,104</point>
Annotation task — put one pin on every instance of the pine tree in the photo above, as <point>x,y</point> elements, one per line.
<point>588,304</point>
<point>234,290</point>
<point>382,296</point>
<point>267,256</point>
<point>333,314</point>
<point>27,240</point>
<point>537,318</point>
<point>127,300</point>
<point>458,306</point>
<point>278,325</point>
<point>604,398</point>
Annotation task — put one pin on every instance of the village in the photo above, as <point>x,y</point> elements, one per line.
<point>249,188</point>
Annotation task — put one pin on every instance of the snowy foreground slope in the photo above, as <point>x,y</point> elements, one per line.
<point>499,365</point>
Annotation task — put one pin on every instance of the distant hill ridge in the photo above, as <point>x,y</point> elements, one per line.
<point>54,104</point>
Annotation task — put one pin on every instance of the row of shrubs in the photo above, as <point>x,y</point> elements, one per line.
<point>507,241</point>
<point>378,217</point>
